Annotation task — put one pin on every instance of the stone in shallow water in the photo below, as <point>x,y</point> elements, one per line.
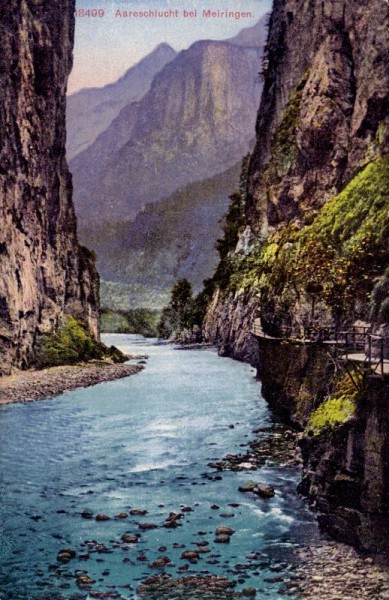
<point>249,592</point>
<point>160,562</point>
<point>129,539</point>
<point>224,530</point>
<point>66,554</point>
<point>199,586</point>
<point>190,555</point>
<point>102,518</point>
<point>260,489</point>
<point>147,526</point>
<point>84,580</point>
<point>202,543</point>
<point>222,539</point>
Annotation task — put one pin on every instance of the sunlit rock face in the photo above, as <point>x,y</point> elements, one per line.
<point>322,127</point>
<point>44,271</point>
<point>196,121</point>
<point>323,110</point>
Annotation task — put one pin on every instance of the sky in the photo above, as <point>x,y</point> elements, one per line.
<point>106,44</point>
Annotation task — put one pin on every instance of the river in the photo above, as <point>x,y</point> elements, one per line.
<point>143,442</point>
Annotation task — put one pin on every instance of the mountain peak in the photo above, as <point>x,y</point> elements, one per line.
<point>254,36</point>
<point>164,46</point>
<point>92,110</point>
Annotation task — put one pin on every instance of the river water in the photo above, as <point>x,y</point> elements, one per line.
<point>143,442</point>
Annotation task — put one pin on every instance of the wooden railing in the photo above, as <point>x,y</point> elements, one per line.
<point>354,344</point>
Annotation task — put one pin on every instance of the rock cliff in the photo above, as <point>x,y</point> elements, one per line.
<point>312,250</point>
<point>44,271</point>
<point>346,472</point>
<point>196,121</point>
<point>315,236</point>
<point>90,111</point>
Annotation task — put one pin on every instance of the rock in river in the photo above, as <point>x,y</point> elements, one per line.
<point>260,489</point>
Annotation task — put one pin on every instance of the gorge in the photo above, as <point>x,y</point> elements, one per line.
<point>126,488</point>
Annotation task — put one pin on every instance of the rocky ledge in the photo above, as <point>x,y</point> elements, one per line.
<point>26,386</point>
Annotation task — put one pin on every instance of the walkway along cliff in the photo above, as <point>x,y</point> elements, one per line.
<point>45,274</point>
<point>308,252</point>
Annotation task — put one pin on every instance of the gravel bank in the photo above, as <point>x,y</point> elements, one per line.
<point>26,386</point>
<point>335,571</point>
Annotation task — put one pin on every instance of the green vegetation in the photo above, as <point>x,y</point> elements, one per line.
<point>139,320</point>
<point>336,259</point>
<point>71,343</point>
<point>124,297</point>
<point>379,306</point>
<point>332,412</point>
<point>283,146</point>
<point>68,344</point>
<point>234,218</point>
<point>177,316</point>
<point>339,407</point>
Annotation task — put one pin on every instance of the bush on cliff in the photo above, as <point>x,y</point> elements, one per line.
<point>70,343</point>
<point>340,407</point>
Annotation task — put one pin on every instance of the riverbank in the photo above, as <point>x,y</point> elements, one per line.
<point>337,572</point>
<point>27,386</point>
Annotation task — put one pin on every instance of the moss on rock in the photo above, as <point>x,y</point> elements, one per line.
<point>340,407</point>
<point>332,412</point>
<point>335,260</point>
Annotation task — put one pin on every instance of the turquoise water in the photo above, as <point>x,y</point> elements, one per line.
<point>142,442</point>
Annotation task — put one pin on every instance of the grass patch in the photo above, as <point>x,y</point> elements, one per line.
<point>332,412</point>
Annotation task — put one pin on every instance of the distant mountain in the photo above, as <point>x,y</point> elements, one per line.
<point>152,189</point>
<point>168,240</point>
<point>254,36</point>
<point>196,121</point>
<point>90,111</point>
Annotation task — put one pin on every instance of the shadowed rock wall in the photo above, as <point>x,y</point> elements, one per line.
<point>44,271</point>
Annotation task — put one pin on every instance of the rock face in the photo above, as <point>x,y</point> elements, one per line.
<point>346,474</point>
<point>322,121</point>
<point>90,111</point>
<point>196,121</point>
<point>45,273</point>
<point>313,246</point>
<point>295,377</point>
<point>228,324</point>
<point>329,62</point>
